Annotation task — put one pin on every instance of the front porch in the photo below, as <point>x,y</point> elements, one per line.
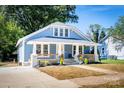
<point>51,50</point>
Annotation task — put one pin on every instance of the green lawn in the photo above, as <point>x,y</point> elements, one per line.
<point>110,61</point>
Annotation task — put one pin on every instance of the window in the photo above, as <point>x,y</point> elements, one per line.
<point>56,32</point>
<point>74,50</point>
<point>61,32</point>
<point>66,32</point>
<point>38,49</point>
<point>45,50</point>
<point>80,49</point>
<point>103,50</point>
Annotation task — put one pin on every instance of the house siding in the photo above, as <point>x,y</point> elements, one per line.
<point>75,35</point>
<point>110,50</point>
<point>28,52</point>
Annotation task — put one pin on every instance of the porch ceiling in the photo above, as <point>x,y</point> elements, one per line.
<point>46,40</point>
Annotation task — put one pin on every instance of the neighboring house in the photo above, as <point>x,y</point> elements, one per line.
<point>108,49</point>
<point>52,41</point>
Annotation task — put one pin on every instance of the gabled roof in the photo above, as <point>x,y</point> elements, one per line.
<point>51,25</point>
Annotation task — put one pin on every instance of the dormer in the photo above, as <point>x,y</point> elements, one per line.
<point>61,32</point>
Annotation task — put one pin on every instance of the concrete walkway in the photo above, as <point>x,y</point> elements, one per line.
<point>95,80</point>
<point>29,77</point>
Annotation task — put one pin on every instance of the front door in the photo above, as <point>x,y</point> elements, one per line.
<point>67,51</point>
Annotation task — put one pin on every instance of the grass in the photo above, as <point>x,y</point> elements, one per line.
<point>7,64</point>
<point>114,67</point>
<point>66,72</point>
<point>112,84</point>
<point>110,61</point>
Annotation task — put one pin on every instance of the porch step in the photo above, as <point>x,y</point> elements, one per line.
<point>70,61</point>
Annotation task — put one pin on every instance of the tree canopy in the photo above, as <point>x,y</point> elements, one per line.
<point>117,32</point>
<point>19,20</point>
<point>31,18</point>
<point>96,33</point>
<point>9,34</point>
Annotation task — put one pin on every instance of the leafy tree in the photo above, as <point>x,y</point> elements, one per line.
<point>117,32</point>
<point>9,34</point>
<point>32,18</point>
<point>96,33</point>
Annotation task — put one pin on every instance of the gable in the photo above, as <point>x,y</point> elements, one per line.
<point>49,31</point>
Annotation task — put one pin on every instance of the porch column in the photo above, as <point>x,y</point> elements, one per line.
<point>95,53</point>
<point>77,50</point>
<point>60,49</point>
<point>34,61</point>
<point>34,48</point>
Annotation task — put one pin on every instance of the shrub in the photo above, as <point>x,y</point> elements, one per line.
<point>86,61</point>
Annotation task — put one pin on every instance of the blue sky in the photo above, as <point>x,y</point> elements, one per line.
<point>104,15</point>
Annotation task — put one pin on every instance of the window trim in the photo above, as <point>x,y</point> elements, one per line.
<point>73,50</point>
<point>81,49</point>
<point>59,28</point>
<point>48,50</point>
<point>54,31</point>
<point>40,49</point>
<point>60,32</point>
<point>68,32</point>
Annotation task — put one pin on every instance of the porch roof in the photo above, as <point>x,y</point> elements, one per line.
<point>47,40</point>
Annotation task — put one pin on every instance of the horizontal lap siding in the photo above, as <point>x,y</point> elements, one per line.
<point>75,35</point>
<point>28,52</point>
<point>29,48</point>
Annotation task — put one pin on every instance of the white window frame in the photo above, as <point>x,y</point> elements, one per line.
<point>40,49</point>
<point>68,32</point>
<point>60,32</point>
<point>54,31</point>
<point>81,48</point>
<point>48,50</point>
<point>73,50</point>
<point>63,32</point>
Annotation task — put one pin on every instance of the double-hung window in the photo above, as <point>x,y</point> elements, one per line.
<point>74,50</point>
<point>38,49</point>
<point>45,50</point>
<point>56,32</point>
<point>66,32</point>
<point>80,49</point>
<point>61,32</point>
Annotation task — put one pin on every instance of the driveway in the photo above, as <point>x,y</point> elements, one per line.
<point>27,77</point>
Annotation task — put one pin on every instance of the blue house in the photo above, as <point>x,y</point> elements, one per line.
<point>52,41</point>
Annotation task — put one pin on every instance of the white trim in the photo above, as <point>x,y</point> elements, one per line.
<point>28,36</point>
<point>62,31</point>
<point>69,31</point>
<point>73,50</point>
